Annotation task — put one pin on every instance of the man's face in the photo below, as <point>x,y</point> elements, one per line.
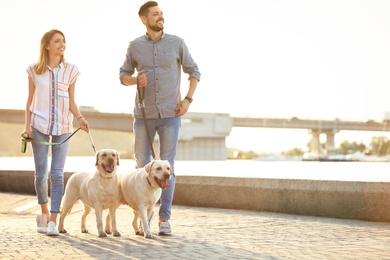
<point>155,19</point>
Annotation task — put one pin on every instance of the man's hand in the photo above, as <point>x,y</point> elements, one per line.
<point>142,81</point>
<point>182,107</point>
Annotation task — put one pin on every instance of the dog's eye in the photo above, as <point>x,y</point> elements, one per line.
<point>104,155</point>
<point>159,168</point>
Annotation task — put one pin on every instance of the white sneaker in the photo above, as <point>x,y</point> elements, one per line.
<point>52,229</point>
<point>164,228</point>
<point>42,223</point>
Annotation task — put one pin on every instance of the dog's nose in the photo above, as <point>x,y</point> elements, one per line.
<point>110,160</point>
<point>166,175</point>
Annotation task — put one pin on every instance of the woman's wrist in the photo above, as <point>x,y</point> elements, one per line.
<point>79,117</point>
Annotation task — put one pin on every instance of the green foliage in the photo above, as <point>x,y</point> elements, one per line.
<point>380,145</point>
<point>234,153</point>
<point>347,147</point>
<point>294,152</point>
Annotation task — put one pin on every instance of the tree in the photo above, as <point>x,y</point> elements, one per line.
<point>294,152</point>
<point>380,145</point>
<point>347,148</point>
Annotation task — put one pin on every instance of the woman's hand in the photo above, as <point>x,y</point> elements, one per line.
<point>83,123</point>
<point>27,132</point>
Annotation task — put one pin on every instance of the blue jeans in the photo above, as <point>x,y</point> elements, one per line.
<point>168,132</point>
<point>58,157</point>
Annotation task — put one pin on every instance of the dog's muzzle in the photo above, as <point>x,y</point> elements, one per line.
<point>110,166</point>
<point>163,184</point>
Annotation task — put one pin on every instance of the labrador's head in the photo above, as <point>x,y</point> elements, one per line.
<point>160,171</point>
<point>107,161</point>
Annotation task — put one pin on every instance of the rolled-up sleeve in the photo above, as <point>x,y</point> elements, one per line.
<point>128,65</point>
<point>189,65</point>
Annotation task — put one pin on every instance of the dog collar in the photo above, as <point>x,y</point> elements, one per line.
<point>148,181</point>
<point>101,175</point>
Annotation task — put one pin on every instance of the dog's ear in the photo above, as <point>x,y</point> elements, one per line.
<point>148,167</point>
<point>97,158</point>
<point>170,167</point>
<point>117,158</point>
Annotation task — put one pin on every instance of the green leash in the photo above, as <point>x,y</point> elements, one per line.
<point>26,139</point>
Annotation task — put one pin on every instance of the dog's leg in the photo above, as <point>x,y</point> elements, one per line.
<point>112,214</point>
<point>61,223</point>
<point>99,220</point>
<point>87,209</point>
<point>67,206</point>
<point>137,228</point>
<point>108,223</point>
<point>145,222</point>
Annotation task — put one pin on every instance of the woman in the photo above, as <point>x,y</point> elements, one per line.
<point>49,115</point>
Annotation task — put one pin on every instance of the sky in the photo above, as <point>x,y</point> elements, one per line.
<point>309,59</point>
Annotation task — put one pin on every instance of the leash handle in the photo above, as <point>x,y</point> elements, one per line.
<point>24,143</point>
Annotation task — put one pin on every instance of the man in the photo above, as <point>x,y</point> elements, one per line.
<point>159,58</point>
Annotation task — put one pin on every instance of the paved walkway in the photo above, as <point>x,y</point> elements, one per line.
<point>198,233</point>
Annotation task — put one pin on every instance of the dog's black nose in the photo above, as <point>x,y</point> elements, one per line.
<point>110,160</point>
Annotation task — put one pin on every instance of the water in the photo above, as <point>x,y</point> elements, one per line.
<point>339,171</point>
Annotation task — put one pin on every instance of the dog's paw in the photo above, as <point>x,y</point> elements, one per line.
<point>139,233</point>
<point>116,234</point>
<point>108,231</point>
<point>102,234</point>
<point>150,236</point>
<point>84,230</point>
<point>63,231</point>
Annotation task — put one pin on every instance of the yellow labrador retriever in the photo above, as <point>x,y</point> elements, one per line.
<point>141,189</point>
<point>97,190</point>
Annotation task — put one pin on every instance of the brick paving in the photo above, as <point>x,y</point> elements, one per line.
<point>198,233</point>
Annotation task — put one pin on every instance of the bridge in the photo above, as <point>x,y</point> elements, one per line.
<point>202,136</point>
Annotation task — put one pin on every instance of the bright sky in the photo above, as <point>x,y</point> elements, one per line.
<point>275,58</point>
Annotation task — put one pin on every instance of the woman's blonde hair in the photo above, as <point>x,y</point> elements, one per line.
<point>41,65</point>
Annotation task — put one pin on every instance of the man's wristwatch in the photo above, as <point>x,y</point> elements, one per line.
<point>189,99</point>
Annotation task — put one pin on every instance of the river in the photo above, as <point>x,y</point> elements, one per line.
<point>339,171</point>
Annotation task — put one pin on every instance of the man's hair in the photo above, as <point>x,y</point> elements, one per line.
<point>143,10</point>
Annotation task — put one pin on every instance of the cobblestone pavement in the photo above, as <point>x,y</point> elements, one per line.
<point>198,233</point>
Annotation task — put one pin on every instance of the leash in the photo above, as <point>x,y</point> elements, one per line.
<point>92,143</point>
<point>26,138</point>
<point>141,104</point>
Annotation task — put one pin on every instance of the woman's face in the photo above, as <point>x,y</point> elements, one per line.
<point>56,46</point>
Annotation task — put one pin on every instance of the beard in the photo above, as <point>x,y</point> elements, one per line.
<point>156,28</point>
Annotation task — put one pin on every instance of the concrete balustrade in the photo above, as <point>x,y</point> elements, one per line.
<point>336,199</point>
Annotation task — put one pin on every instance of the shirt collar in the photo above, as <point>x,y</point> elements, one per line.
<point>150,39</point>
<point>59,66</point>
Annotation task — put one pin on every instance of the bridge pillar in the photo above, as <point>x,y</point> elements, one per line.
<point>330,141</point>
<point>315,141</point>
